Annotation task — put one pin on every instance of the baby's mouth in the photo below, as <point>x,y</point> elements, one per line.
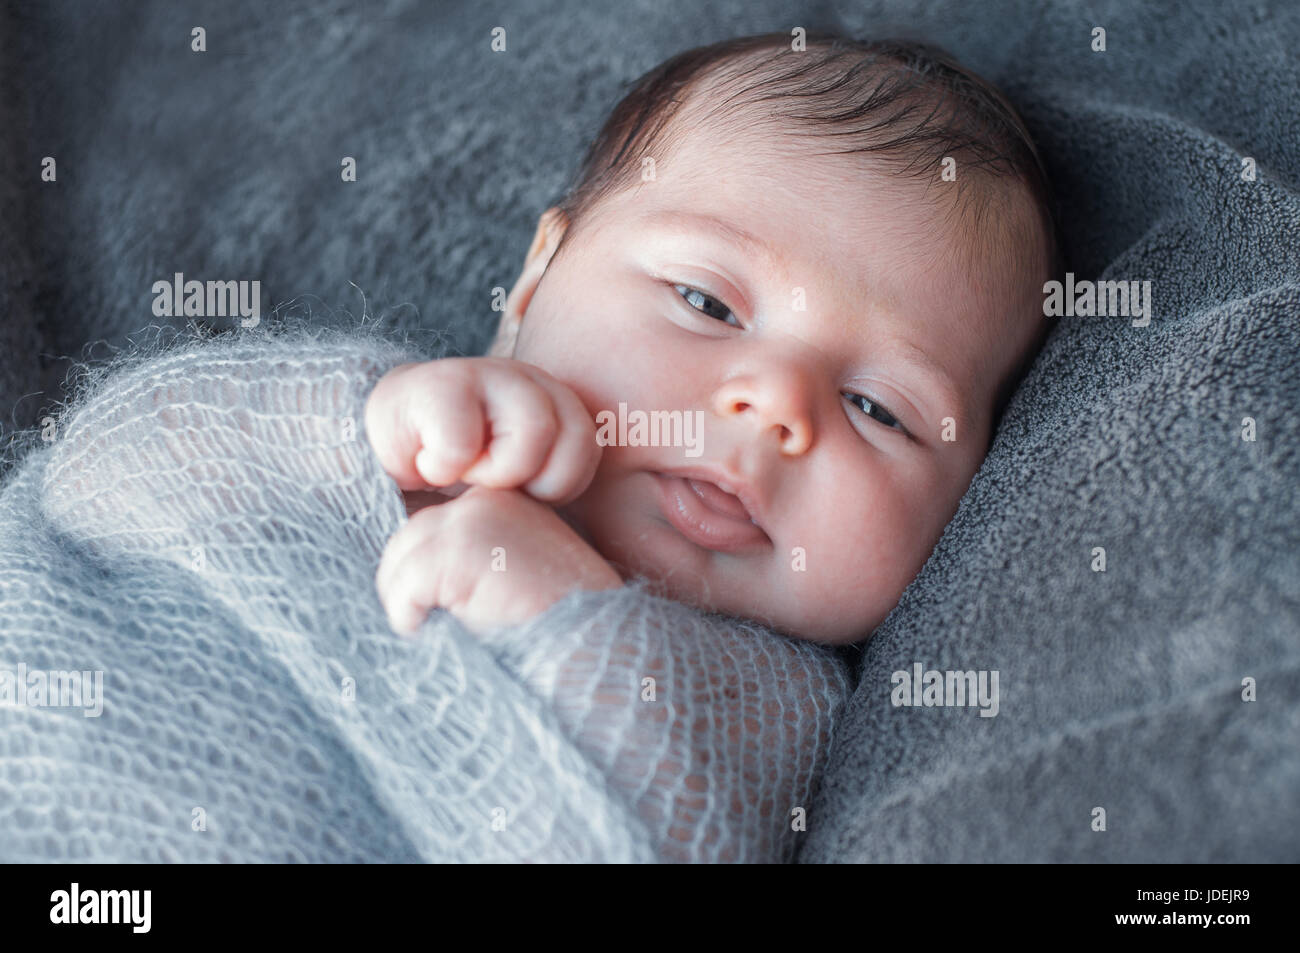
<point>719,500</point>
<point>708,515</point>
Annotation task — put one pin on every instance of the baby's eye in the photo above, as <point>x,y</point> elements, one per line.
<point>868,405</point>
<point>694,296</point>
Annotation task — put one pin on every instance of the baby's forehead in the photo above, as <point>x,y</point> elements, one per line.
<point>812,215</point>
<point>712,142</point>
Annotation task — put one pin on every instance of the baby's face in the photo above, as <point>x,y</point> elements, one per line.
<point>829,361</point>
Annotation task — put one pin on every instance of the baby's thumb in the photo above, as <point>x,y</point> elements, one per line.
<point>426,464</point>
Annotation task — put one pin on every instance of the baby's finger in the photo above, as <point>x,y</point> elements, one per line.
<point>416,587</point>
<point>451,431</point>
<point>522,428</point>
<point>411,593</point>
<point>417,530</point>
<point>575,455</point>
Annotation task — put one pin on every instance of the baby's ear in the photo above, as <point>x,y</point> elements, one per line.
<point>503,345</point>
<point>550,230</point>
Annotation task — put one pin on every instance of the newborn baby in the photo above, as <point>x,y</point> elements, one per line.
<point>836,254</point>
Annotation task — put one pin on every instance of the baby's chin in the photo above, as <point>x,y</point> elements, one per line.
<point>697,584</point>
<point>809,627</point>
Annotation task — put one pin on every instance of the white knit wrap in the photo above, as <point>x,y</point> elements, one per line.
<point>204,528</point>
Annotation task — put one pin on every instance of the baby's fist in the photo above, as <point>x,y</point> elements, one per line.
<point>486,421</point>
<point>491,557</point>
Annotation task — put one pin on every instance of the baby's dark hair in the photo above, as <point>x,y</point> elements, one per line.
<point>909,104</point>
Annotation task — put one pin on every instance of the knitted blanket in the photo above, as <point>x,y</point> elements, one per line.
<point>195,666</point>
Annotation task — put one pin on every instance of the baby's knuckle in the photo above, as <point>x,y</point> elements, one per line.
<point>465,511</point>
<point>546,428</point>
<point>453,368</point>
<point>427,523</point>
<point>484,505</point>
<point>479,499</point>
<point>451,378</point>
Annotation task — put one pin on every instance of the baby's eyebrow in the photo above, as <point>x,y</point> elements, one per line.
<point>908,353</point>
<point>720,227</point>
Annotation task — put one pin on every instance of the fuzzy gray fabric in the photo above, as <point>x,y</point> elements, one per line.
<point>1121,689</point>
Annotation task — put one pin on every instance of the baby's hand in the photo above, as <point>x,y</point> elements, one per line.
<point>491,557</point>
<point>487,421</point>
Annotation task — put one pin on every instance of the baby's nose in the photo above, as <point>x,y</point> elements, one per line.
<point>777,399</point>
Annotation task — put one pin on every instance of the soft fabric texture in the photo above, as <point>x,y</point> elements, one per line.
<point>1120,689</point>
<point>204,529</point>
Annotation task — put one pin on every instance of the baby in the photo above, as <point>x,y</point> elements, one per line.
<point>832,256</point>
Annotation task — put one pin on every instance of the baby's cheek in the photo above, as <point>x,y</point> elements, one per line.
<point>865,554</point>
<point>835,595</point>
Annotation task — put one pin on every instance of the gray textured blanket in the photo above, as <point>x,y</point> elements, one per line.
<point>1122,729</point>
